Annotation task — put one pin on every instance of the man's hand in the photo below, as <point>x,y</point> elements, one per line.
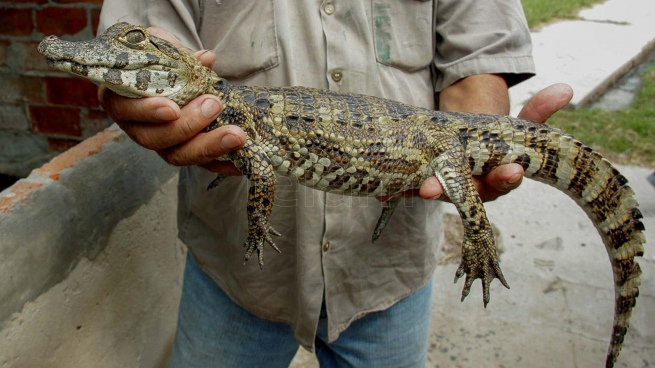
<point>157,123</point>
<point>504,178</point>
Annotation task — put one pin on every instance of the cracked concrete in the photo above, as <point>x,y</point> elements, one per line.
<point>590,53</point>
<point>623,93</point>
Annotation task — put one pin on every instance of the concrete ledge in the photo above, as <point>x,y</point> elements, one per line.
<point>591,53</point>
<point>117,310</point>
<point>95,223</point>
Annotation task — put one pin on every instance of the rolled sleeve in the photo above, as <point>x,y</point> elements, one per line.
<point>481,37</point>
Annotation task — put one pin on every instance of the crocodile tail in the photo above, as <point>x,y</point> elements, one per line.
<point>603,193</point>
<point>560,160</point>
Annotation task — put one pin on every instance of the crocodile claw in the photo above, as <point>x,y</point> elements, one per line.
<point>256,240</point>
<point>487,270</point>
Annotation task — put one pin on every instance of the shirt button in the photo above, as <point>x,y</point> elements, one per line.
<point>326,246</point>
<point>337,74</point>
<point>328,8</point>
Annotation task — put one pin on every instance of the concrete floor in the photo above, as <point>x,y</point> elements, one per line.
<point>592,52</point>
<point>559,310</point>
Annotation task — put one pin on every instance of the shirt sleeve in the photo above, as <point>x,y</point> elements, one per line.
<point>481,37</point>
<point>179,17</point>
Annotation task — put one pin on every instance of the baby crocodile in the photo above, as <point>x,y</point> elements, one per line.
<point>366,146</point>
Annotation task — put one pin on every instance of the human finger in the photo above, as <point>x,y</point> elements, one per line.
<point>123,109</point>
<point>499,181</point>
<point>204,148</point>
<point>547,102</point>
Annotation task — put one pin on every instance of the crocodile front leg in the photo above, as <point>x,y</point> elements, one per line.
<point>256,166</point>
<point>479,256</point>
<point>387,210</point>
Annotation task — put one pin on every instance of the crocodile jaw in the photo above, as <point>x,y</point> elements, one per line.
<point>155,68</point>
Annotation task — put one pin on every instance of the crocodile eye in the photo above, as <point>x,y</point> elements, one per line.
<point>135,37</point>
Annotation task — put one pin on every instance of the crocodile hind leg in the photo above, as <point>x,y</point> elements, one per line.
<point>479,256</point>
<point>252,161</point>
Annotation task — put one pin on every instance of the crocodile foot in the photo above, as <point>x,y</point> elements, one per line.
<point>256,238</point>
<point>479,262</point>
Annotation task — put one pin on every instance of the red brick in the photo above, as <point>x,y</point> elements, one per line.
<point>16,22</point>
<point>60,21</point>
<point>61,145</point>
<point>21,88</point>
<point>71,91</point>
<point>4,48</point>
<point>56,120</point>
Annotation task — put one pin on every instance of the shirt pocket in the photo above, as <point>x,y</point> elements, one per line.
<point>403,33</point>
<point>243,35</point>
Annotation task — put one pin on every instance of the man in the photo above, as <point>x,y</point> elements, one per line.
<point>331,289</point>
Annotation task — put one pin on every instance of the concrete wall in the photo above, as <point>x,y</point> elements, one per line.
<point>89,259</point>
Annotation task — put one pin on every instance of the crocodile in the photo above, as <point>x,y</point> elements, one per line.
<point>367,146</point>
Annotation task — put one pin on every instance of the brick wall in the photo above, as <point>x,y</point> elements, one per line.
<point>43,112</point>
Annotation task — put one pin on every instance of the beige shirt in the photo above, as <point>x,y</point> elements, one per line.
<point>386,48</point>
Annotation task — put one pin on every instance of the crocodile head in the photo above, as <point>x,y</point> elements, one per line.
<point>133,63</point>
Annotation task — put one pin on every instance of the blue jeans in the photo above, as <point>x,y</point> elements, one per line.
<point>213,331</point>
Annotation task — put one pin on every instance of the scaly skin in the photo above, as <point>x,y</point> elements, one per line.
<point>367,146</point>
